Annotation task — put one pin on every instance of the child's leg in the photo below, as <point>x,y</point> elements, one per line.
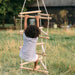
<point>36,66</point>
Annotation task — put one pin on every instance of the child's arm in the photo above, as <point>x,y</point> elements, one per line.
<point>37,19</point>
<point>25,22</point>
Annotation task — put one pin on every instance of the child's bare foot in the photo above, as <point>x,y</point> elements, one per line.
<point>37,67</point>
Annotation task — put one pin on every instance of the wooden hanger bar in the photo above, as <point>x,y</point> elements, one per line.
<point>34,17</point>
<point>42,14</point>
<point>30,12</point>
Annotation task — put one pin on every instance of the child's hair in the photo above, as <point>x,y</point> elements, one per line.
<point>32,31</point>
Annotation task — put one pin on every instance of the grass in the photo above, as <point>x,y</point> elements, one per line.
<point>7,25</point>
<point>60,53</point>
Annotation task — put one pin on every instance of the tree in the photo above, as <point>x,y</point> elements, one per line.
<point>12,7</point>
<point>3,11</point>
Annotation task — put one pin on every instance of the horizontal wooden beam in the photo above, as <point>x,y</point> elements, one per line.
<point>36,44</point>
<point>30,12</point>
<point>44,32</point>
<point>24,63</point>
<point>44,37</point>
<point>34,17</point>
<point>21,32</point>
<point>40,27</point>
<point>42,14</point>
<point>40,43</point>
<point>44,71</point>
<point>43,54</point>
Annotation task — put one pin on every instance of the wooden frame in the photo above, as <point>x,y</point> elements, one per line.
<point>21,31</point>
<point>34,17</point>
<point>30,12</point>
<point>41,54</point>
<point>44,37</point>
<point>36,44</point>
<point>42,14</point>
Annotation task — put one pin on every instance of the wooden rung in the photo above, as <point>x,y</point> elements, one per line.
<point>34,17</point>
<point>30,12</point>
<point>37,44</point>
<point>25,63</point>
<point>44,37</point>
<point>44,32</point>
<point>41,58</point>
<point>42,14</point>
<point>40,27</point>
<point>21,32</point>
<point>41,54</point>
<point>44,71</point>
<point>20,47</point>
<point>40,43</point>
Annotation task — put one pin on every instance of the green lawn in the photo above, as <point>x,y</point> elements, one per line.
<point>60,53</point>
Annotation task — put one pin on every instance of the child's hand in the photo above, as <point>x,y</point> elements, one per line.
<point>37,17</point>
<point>27,16</point>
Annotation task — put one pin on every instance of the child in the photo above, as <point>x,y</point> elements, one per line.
<point>30,36</point>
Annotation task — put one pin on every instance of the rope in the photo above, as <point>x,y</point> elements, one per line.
<point>48,19</point>
<point>23,6</point>
<point>40,25</point>
<point>38,5</point>
<point>47,26</point>
<point>22,11</point>
<point>21,28</point>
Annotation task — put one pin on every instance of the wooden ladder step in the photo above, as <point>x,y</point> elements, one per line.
<point>21,32</point>
<point>40,43</point>
<point>44,71</point>
<point>44,32</point>
<point>42,14</point>
<point>30,12</point>
<point>43,54</point>
<point>34,17</point>
<point>37,44</point>
<point>44,37</point>
<point>24,63</point>
<point>40,27</point>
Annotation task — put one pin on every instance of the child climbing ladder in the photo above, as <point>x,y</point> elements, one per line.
<point>30,36</point>
<point>29,56</point>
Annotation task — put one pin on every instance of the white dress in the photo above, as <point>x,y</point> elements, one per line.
<point>28,51</point>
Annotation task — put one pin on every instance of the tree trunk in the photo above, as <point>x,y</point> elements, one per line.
<point>15,22</point>
<point>3,21</point>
